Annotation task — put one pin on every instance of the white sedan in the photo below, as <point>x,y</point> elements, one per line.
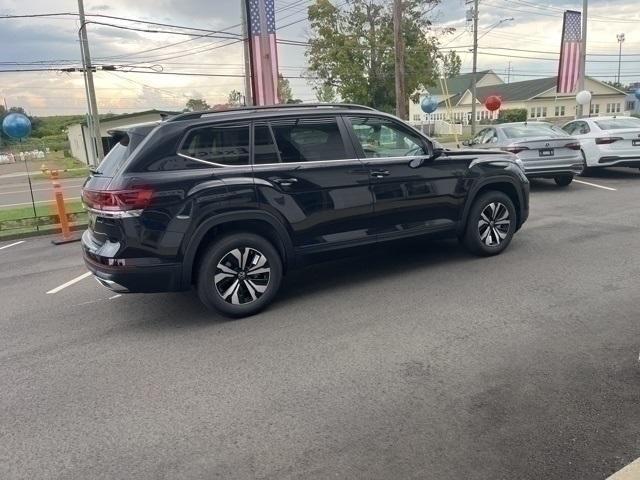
<point>607,141</point>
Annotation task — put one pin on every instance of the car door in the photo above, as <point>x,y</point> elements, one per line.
<point>406,200</point>
<point>308,175</point>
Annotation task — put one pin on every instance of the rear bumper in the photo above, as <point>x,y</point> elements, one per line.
<point>132,277</point>
<point>548,172</point>
<point>614,160</point>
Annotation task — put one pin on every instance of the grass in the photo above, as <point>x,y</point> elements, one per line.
<point>42,210</point>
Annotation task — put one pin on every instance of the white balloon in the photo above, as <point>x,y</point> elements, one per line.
<point>583,97</point>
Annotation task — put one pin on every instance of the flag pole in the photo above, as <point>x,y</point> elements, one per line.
<point>583,52</point>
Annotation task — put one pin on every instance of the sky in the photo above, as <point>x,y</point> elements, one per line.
<point>53,42</point>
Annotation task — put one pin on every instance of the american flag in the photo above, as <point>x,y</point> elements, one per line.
<point>569,68</point>
<point>263,51</point>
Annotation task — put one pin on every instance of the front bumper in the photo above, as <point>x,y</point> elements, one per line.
<point>136,275</point>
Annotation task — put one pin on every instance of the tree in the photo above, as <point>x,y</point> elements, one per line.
<point>235,98</point>
<point>451,63</point>
<point>285,94</point>
<point>197,105</point>
<point>325,93</point>
<point>618,85</point>
<point>351,49</point>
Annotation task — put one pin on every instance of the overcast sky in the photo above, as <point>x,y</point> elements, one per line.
<point>536,26</point>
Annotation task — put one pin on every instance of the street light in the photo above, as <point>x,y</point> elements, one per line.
<point>620,37</point>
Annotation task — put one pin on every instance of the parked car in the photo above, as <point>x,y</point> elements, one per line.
<point>229,201</point>
<point>607,141</point>
<point>546,151</point>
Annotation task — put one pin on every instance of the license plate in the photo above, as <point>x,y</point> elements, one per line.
<point>635,143</point>
<point>546,152</point>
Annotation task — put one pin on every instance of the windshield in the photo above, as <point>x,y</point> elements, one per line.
<point>118,154</point>
<point>533,130</point>
<point>618,123</point>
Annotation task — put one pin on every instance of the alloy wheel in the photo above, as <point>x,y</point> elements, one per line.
<point>242,275</point>
<point>494,224</point>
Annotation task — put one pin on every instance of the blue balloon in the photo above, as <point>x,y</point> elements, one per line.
<point>429,104</point>
<point>638,94</point>
<point>16,125</point>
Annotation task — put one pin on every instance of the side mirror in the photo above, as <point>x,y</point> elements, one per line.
<point>467,143</point>
<point>420,161</point>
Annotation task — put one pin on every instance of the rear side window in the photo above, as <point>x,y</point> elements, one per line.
<point>119,153</point>
<point>218,144</point>
<point>299,140</point>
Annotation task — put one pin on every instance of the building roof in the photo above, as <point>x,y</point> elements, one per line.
<point>515,91</point>
<point>458,84</point>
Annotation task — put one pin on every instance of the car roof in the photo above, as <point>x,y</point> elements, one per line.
<point>517,124</point>
<point>268,111</point>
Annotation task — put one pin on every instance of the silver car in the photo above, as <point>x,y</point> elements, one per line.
<point>545,151</point>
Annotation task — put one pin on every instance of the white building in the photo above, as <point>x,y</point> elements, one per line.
<point>80,137</point>
<point>537,96</point>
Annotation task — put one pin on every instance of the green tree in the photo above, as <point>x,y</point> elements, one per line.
<point>235,98</point>
<point>451,63</point>
<point>285,94</point>
<point>351,49</point>
<point>326,93</point>
<point>197,105</point>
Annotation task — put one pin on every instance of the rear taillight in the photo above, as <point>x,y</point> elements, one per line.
<point>514,149</point>
<point>573,145</point>
<point>117,200</point>
<point>607,140</point>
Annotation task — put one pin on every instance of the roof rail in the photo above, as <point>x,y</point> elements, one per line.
<point>206,113</point>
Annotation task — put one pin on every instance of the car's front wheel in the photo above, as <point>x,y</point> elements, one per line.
<point>491,224</point>
<point>239,274</point>
<point>563,180</point>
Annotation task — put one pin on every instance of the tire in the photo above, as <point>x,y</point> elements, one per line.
<point>586,171</point>
<point>563,180</point>
<point>483,238</point>
<point>225,280</point>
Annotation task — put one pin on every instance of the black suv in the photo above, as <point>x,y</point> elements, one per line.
<point>230,200</point>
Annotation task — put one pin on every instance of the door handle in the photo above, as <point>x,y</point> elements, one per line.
<point>285,182</point>
<point>380,173</point>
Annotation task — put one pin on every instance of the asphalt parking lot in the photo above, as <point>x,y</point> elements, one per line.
<point>411,361</point>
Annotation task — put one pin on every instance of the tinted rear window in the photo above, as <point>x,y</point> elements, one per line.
<point>618,123</point>
<point>119,153</point>
<point>532,130</point>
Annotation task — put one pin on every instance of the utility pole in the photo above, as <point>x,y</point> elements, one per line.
<point>91,91</point>
<point>620,40</point>
<point>509,73</point>
<point>583,54</point>
<point>475,67</point>
<point>248,100</point>
<point>398,42</point>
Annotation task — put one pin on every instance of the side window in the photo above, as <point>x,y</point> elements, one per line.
<point>299,140</point>
<point>380,137</point>
<point>477,140</point>
<point>489,136</point>
<point>223,144</point>
<point>264,147</point>
<point>581,128</point>
<point>569,128</point>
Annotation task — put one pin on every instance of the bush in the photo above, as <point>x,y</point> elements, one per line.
<point>513,115</point>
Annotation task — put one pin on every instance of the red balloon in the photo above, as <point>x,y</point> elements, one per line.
<point>493,103</point>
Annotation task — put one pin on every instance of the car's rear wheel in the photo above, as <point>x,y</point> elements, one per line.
<point>239,275</point>
<point>491,224</point>
<point>563,180</point>
<point>586,170</point>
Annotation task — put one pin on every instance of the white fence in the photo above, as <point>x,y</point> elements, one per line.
<point>438,127</point>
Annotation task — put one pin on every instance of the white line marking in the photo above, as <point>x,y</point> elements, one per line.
<point>630,472</point>
<point>11,244</point>
<point>596,185</point>
<point>36,190</point>
<point>70,282</point>
<point>115,296</point>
